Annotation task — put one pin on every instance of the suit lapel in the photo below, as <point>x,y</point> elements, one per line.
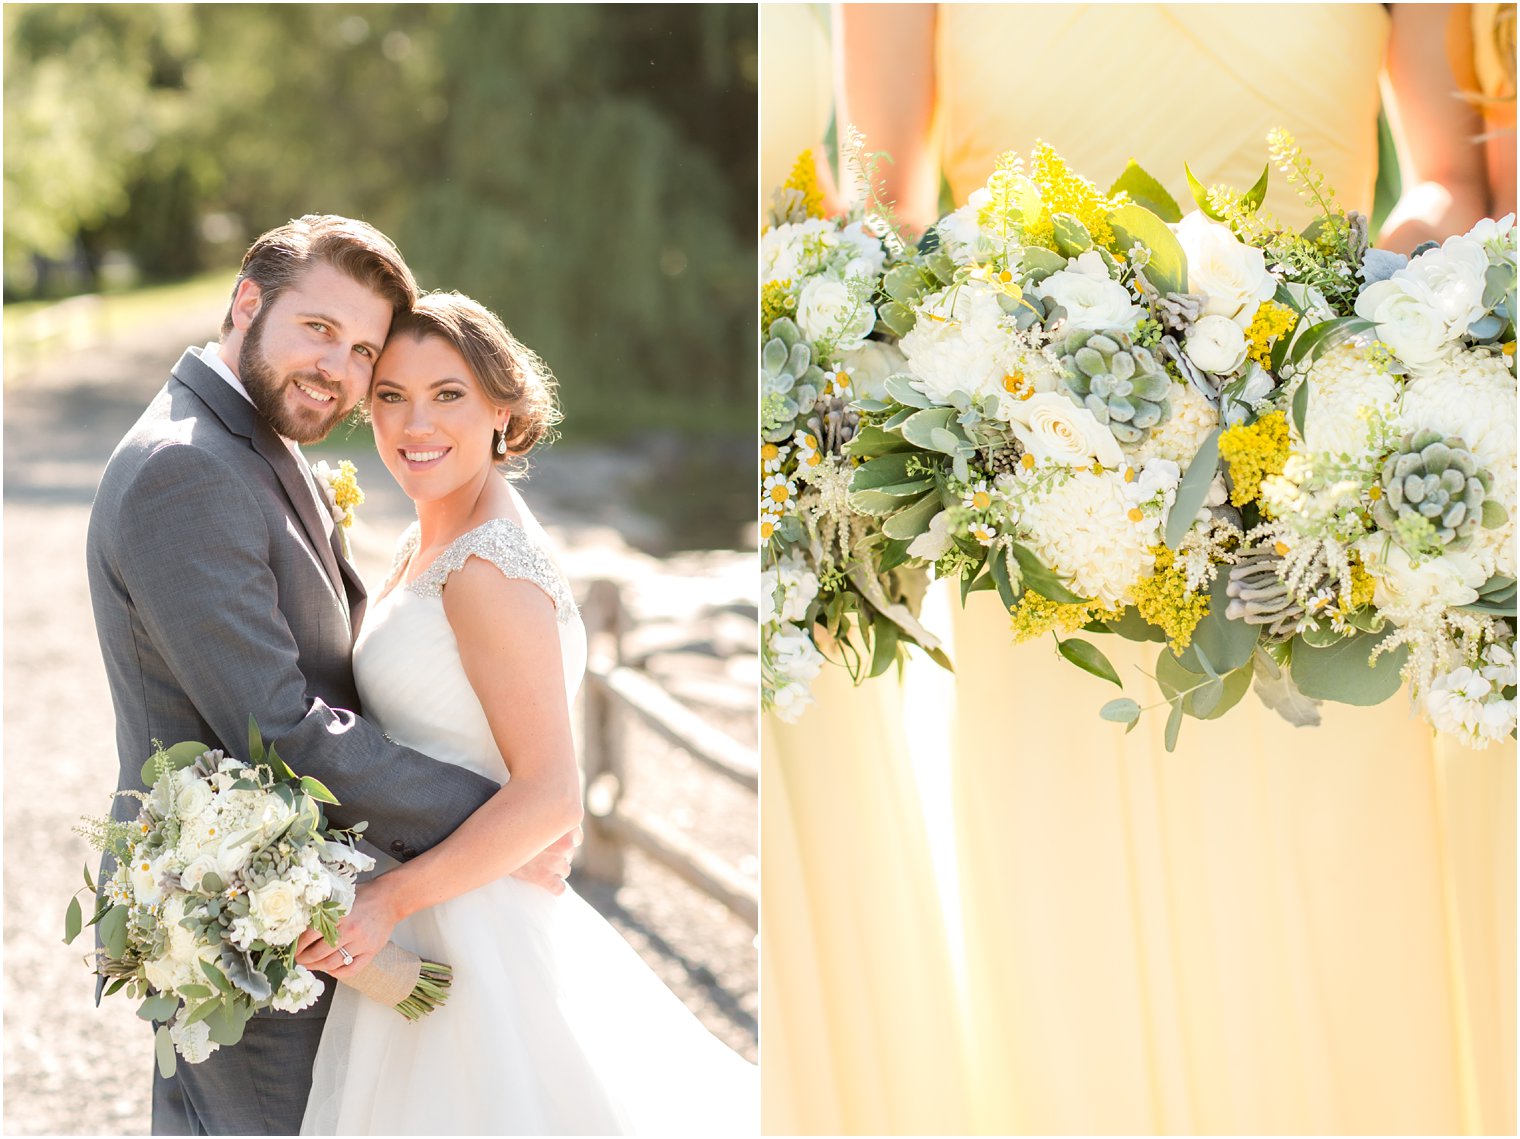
<point>241,418</point>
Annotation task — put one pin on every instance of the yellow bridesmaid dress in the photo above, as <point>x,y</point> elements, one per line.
<point>859,1028</point>
<point>1271,930</point>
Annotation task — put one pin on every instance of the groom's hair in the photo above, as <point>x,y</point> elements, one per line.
<point>355,248</point>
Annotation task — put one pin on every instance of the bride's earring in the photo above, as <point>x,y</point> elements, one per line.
<point>501,442</point>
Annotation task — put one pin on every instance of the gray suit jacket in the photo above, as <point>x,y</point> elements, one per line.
<point>218,595</point>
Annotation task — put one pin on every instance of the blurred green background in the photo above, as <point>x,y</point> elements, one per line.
<point>587,171</point>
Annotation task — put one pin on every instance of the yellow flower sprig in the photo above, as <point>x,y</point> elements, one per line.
<point>1166,602</point>
<point>1254,452</point>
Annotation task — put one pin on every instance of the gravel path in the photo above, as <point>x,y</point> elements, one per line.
<point>70,1068</point>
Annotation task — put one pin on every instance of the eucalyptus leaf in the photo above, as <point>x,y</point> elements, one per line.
<point>196,991</point>
<point>1319,338</point>
<point>113,932</point>
<point>1036,263</point>
<point>1173,725</point>
<point>201,1011</point>
<point>73,921</point>
<point>163,1051</point>
<point>1133,627</point>
<point>1227,643</point>
<point>1167,268</point>
<point>1343,674</point>
<point>1144,189</point>
<point>1088,657</point>
<point>158,1007</point>
<point>871,441</point>
<point>1275,688</point>
<point>905,283</point>
<point>1193,490</point>
<point>1206,699</point>
<point>1071,236</point>
<point>997,569</point>
<point>1175,679</point>
<point>946,441</point>
<point>89,883</point>
<point>896,318</point>
<point>226,1024</point>
<point>1121,711</point>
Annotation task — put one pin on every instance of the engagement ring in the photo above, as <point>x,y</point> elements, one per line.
<point>348,958</point>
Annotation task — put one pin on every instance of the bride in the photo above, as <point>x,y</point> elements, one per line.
<point>473,654</point>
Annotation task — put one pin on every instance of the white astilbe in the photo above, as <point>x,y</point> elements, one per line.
<point>1204,548</point>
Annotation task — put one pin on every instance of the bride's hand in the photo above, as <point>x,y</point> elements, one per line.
<point>551,867</point>
<point>362,934</point>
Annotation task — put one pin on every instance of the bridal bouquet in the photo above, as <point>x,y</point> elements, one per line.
<point>831,584</point>
<point>224,867</point>
<point>1284,457</point>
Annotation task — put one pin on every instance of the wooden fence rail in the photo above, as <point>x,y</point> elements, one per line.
<point>614,691</point>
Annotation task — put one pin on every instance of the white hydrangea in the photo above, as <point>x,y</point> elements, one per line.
<point>1343,388</point>
<point>1180,435</point>
<point>1472,396</point>
<point>300,990</point>
<point>1084,531</point>
<point>192,1041</point>
<point>962,342</point>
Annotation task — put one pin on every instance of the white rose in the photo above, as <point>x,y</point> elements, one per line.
<point>869,366</point>
<point>1232,274</point>
<point>827,310</point>
<point>1408,593</point>
<point>190,877</point>
<point>231,857</point>
<point>1216,344</point>
<point>279,910</point>
<point>1092,299</point>
<point>193,798</point>
<point>1052,427</point>
<point>1453,276</point>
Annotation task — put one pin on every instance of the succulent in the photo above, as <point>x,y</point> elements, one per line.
<point>790,381</point>
<point>1260,596</point>
<point>1003,460</point>
<point>1121,383</point>
<point>1434,494</point>
<point>1177,312</point>
<point>833,423</point>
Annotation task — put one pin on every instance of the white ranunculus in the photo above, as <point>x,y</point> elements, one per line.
<point>828,309</point>
<point>193,798</point>
<point>1453,276</point>
<point>278,909</point>
<point>869,366</point>
<point>1216,344</point>
<point>961,342</point>
<point>1052,427</point>
<point>1232,274</point>
<point>1408,321</point>
<point>1092,299</point>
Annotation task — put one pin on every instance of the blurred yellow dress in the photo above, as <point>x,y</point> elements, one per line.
<point>1271,929</point>
<point>858,1023</point>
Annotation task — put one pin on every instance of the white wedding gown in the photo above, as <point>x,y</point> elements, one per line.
<point>554,1025</point>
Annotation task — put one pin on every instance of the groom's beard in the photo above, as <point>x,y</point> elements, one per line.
<point>268,392</point>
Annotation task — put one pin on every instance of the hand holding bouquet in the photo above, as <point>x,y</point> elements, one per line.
<point>222,870</point>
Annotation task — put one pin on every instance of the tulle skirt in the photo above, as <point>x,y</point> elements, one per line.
<point>554,1026</point>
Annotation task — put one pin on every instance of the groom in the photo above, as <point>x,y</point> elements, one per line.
<point>220,591</point>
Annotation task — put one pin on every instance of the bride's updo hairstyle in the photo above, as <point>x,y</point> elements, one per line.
<point>510,375</point>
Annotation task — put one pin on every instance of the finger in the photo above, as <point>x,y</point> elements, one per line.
<point>578,835</point>
<point>306,939</point>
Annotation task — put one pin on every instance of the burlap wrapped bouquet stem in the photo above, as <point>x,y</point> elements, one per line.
<point>399,978</point>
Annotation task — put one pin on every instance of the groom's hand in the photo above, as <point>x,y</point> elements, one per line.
<point>550,868</point>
